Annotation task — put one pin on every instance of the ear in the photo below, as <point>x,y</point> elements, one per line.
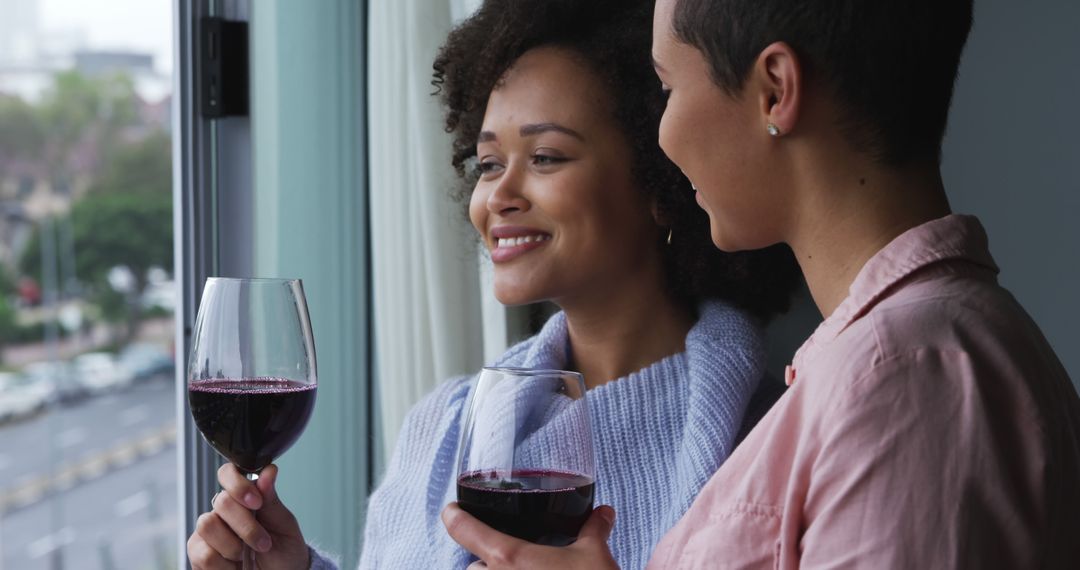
<point>778,74</point>
<point>660,218</point>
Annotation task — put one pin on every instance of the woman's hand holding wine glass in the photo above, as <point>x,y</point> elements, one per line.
<point>251,390</point>
<point>247,512</point>
<point>526,475</point>
<point>498,551</point>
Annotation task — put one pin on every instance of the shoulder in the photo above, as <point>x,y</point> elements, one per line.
<point>719,321</point>
<point>446,400</point>
<point>950,324</point>
<point>726,340</point>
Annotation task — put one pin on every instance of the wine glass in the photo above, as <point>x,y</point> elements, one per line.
<point>525,464</point>
<point>252,372</point>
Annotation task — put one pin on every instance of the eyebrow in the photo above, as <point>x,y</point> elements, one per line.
<point>533,130</point>
<point>530,130</point>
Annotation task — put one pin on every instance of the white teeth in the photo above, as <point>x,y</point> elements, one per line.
<point>511,242</point>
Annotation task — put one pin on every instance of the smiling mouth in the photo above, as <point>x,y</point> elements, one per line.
<point>515,241</point>
<point>509,248</point>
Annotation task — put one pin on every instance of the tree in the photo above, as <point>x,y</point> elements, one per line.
<point>143,168</point>
<point>23,132</point>
<point>80,132</point>
<point>8,325</point>
<point>81,118</point>
<point>115,229</point>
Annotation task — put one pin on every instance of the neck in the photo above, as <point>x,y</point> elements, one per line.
<point>850,213</point>
<point>624,329</point>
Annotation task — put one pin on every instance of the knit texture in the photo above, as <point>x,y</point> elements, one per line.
<point>658,433</point>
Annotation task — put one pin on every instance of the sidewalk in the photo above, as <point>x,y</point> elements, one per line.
<point>158,331</point>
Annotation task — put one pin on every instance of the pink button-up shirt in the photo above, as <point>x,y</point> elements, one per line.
<point>928,425</point>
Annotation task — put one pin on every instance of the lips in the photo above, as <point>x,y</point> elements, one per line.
<point>511,242</point>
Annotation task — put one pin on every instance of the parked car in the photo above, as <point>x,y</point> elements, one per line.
<point>66,388</point>
<point>100,372</point>
<point>21,396</point>
<point>146,360</point>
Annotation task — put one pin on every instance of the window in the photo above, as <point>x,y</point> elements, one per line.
<point>88,472</point>
<point>282,193</point>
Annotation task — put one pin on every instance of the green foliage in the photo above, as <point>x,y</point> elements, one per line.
<point>113,305</point>
<point>7,284</point>
<point>140,168</point>
<point>23,131</point>
<point>113,229</point>
<point>122,229</point>
<point>8,327</point>
<point>80,129</point>
<point>77,102</point>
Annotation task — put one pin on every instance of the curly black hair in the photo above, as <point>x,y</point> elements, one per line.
<point>612,37</point>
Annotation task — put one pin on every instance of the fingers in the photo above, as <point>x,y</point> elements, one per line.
<point>491,546</point>
<point>599,525</point>
<point>242,522</point>
<point>219,536</point>
<point>273,514</point>
<point>500,552</point>
<point>203,556</point>
<point>238,487</point>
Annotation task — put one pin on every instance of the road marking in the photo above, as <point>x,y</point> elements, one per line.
<point>73,436</point>
<point>133,415</point>
<point>50,542</point>
<point>31,488</point>
<point>132,504</point>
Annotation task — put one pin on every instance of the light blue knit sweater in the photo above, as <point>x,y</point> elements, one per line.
<point>659,434</point>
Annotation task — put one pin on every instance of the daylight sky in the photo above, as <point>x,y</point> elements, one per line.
<point>140,25</point>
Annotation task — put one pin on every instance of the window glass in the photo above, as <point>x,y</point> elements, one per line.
<point>87,408</point>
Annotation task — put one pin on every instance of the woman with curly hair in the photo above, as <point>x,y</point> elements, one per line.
<point>553,108</point>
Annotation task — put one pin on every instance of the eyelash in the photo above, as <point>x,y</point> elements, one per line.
<point>547,159</point>
<point>537,159</point>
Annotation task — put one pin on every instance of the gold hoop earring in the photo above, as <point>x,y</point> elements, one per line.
<point>669,236</point>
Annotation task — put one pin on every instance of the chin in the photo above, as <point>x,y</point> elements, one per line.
<point>726,242</point>
<point>513,297</point>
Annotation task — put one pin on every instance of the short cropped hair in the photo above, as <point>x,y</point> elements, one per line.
<point>890,64</point>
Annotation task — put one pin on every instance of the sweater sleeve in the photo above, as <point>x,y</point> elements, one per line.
<point>320,561</point>
<point>403,526</point>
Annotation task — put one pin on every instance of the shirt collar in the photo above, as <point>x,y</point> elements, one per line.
<point>953,237</point>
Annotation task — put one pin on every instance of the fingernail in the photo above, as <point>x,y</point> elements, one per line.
<point>250,500</point>
<point>609,515</point>
<point>263,545</point>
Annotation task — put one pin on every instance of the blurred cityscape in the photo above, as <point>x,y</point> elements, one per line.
<point>87,403</point>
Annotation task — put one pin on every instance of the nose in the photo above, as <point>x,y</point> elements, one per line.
<point>506,196</point>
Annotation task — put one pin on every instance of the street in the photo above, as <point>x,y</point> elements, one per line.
<point>96,480</point>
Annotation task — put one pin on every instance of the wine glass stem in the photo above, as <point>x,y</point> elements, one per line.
<point>248,557</point>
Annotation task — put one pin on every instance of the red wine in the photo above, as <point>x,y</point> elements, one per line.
<point>252,421</point>
<point>545,507</point>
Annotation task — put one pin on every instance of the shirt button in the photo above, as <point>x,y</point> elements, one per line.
<point>789,375</point>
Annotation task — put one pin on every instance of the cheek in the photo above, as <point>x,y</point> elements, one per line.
<point>667,135</point>
<point>477,209</point>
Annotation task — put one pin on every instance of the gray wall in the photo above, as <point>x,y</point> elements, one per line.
<point>1012,158</point>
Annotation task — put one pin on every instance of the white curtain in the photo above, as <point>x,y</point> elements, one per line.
<point>425,275</point>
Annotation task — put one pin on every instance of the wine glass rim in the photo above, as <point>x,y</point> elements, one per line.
<point>520,371</point>
<point>255,279</point>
